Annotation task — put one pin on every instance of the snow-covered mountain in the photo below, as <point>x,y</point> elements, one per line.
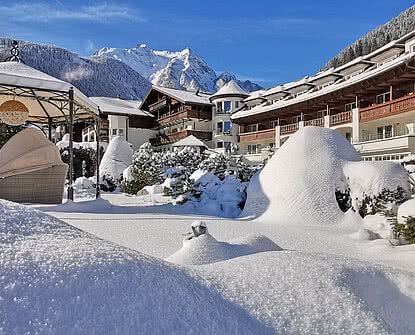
<point>182,70</point>
<point>94,76</point>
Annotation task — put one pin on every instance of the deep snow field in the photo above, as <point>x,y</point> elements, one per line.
<point>120,265</point>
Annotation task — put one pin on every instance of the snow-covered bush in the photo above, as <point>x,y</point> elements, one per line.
<point>219,197</point>
<point>117,158</point>
<point>222,165</point>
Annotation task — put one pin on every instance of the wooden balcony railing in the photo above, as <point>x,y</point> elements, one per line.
<point>188,113</point>
<point>393,107</point>
<point>267,134</point>
<point>157,105</point>
<point>174,137</point>
<point>289,128</point>
<point>341,118</point>
<point>315,122</point>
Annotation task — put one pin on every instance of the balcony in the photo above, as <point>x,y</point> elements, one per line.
<point>400,142</point>
<point>183,114</point>
<point>341,118</point>
<point>158,105</point>
<point>393,107</point>
<point>315,122</point>
<point>174,137</point>
<point>267,134</point>
<point>288,129</point>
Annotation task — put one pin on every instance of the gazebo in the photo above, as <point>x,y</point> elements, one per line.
<point>39,98</point>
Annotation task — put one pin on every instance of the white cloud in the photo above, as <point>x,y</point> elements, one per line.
<point>40,12</point>
<point>77,73</point>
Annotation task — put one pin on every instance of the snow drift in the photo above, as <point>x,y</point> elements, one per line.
<point>116,159</point>
<point>56,279</point>
<point>298,184</point>
<point>206,249</point>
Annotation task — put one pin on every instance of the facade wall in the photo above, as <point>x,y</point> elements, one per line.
<point>223,130</point>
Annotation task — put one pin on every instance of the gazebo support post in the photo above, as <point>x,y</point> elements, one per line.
<point>71,116</point>
<point>50,128</point>
<point>98,131</point>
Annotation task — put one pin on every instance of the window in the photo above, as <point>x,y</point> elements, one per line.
<point>227,128</point>
<point>227,146</point>
<point>114,132</point>
<point>120,132</point>
<point>254,148</point>
<point>226,106</point>
<point>380,132</point>
<point>236,104</point>
<point>251,128</point>
<point>273,124</point>
<point>413,48</point>
<point>349,107</point>
<point>219,128</point>
<point>382,98</point>
<point>388,131</point>
<point>219,108</point>
<point>219,145</point>
<point>349,136</point>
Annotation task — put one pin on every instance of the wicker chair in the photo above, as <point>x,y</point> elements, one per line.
<point>31,169</point>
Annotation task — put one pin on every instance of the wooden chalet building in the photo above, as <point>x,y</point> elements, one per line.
<point>178,114</point>
<point>370,100</point>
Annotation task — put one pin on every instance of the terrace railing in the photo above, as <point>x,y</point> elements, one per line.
<point>393,107</point>
<point>289,128</point>
<point>341,118</point>
<point>315,122</point>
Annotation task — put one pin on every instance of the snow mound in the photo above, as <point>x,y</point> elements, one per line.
<point>56,279</point>
<point>116,159</point>
<point>311,293</point>
<point>206,249</point>
<point>298,184</point>
<point>405,210</point>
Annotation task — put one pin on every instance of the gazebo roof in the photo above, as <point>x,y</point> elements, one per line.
<point>190,141</point>
<point>46,97</point>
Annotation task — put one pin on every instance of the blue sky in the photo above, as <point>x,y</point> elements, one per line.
<point>269,42</point>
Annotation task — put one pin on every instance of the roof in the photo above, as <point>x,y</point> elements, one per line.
<point>185,96</point>
<point>255,95</point>
<point>190,141</point>
<point>28,150</point>
<point>14,74</point>
<point>231,88</point>
<point>119,106</point>
<point>331,88</point>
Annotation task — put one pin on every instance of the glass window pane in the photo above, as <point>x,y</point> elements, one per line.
<point>227,127</point>
<point>226,106</point>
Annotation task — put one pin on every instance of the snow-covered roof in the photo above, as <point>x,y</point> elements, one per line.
<point>14,74</point>
<point>390,45</point>
<point>255,95</point>
<point>185,96</point>
<point>190,141</point>
<point>231,88</point>
<point>331,88</point>
<point>119,106</point>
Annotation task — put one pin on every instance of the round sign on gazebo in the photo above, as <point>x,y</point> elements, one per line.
<point>13,112</point>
